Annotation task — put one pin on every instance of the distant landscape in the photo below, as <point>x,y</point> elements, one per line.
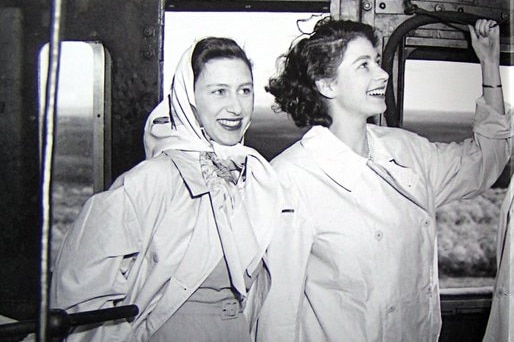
<point>467,229</point>
<point>271,132</point>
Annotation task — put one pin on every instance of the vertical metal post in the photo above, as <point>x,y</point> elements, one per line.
<point>47,160</point>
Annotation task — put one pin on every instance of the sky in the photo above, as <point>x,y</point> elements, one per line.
<point>75,75</point>
<point>448,86</point>
<point>438,86</point>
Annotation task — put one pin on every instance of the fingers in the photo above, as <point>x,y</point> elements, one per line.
<point>484,27</point>
<point>472,32</point>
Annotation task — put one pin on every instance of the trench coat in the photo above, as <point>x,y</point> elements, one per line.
<point>151,241</point>
<point>357,260</point>
<point>500,327</point>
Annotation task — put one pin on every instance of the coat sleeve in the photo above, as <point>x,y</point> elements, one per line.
<point>465,169</point>
<point>500,326</point>
<point>94,262</point>
<point>288,257</point>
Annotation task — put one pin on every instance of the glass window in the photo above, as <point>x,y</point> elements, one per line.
<point>81,155</point>
<point>440,104</point>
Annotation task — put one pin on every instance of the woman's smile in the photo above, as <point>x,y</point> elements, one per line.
<point>378,92</point>
<point>230,124</point>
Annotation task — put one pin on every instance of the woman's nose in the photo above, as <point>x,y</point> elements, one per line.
<point>381,74</point>
<point>234,106</point>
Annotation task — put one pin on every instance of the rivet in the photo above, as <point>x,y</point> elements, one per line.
<point>148,54</point>
<point>148,32</point>
<point>366,6</point>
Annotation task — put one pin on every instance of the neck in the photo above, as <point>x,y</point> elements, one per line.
<point>353,134</point>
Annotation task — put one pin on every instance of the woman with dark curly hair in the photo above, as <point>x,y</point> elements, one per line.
<point>357,259</point>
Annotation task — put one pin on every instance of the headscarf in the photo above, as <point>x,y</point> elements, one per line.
<point>172,124</point>
<point>246,224</point>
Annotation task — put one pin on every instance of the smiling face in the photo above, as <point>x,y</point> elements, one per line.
<point>224,99</point>
<point>360,84</point>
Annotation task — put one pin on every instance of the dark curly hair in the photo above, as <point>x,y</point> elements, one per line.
<point>311,59</point>
<point>214,48</point>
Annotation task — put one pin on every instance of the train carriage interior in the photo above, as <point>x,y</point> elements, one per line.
<point>78,79</point>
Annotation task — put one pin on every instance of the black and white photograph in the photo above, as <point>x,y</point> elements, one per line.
<point>256,171</point>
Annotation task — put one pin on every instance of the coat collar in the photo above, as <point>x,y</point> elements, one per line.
<point>338,162</point>
<point>188,165</point>
<point>345,167</point>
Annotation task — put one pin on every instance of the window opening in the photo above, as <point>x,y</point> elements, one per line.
<point>82,153</point>
<point>439,103</point>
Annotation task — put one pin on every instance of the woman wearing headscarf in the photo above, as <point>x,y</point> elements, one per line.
<point>182,235</point>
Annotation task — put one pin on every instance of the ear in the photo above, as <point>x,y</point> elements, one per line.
<point>326,87</point>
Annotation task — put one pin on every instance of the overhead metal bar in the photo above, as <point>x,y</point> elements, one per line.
<point>247,6</point>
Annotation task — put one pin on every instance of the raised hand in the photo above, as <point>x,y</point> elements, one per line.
<point>485,39</point>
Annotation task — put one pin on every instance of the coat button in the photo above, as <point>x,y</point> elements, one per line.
<point>391,309</point>
<point>155,257</point>
<point>379,235</point>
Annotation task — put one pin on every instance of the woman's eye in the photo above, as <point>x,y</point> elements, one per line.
<point>246,91</point>
<point>364,65</point>
<point>219,91</point>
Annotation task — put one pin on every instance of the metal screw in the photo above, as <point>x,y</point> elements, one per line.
<point>148,54</point>
<point>366,6</point>
<point>382,5</point>
<point>148,32</point>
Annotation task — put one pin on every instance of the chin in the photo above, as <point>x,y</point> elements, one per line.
<point>229,141</point>
<point>378,110</point>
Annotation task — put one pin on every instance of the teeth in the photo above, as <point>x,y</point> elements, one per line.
<point>377,92</point>
<point>230,123</point>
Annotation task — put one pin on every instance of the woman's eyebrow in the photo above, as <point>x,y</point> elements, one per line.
<point>361,58</point>
<point>366,57</point>
<point>228,85</point>
<point>217,85</point>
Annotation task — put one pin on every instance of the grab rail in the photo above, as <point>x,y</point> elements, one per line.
<point>60,322</point>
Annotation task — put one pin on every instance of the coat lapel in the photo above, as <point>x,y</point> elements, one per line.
<point>345,168</point>
<point>402,179</point>
<point>189,169</point>
<point>338,162</point>
<point>396,172</point>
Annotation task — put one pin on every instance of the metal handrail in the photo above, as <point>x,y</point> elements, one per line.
<point>60,323</point>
